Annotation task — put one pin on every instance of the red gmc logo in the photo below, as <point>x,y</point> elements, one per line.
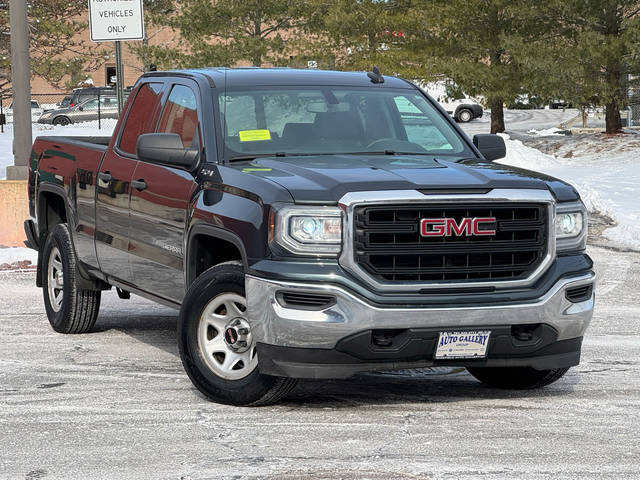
<point>447,227</point>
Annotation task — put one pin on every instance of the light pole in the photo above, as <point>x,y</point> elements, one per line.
<point>20,83</point>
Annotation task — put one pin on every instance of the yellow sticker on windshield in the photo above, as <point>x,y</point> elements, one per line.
<point>254,135</point>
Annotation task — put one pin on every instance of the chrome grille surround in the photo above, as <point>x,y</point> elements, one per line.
<point>350,201</point>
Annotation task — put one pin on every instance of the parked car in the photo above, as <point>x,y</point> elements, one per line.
<point>36,111</point>
<point>337,222</point>
<point>461,107</point>
<point>105,108</point>
<point>81,95</point>
<point>555,104</point>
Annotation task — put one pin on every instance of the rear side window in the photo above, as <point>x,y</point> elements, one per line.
<point>142,116</point>
<point>180,114</point>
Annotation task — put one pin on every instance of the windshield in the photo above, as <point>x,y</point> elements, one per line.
<point>334,120</point>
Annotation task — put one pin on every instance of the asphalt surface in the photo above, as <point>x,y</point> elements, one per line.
<point>521,121</point>
<point>117,404</point>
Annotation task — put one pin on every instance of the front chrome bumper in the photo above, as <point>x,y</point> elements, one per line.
<point>273,324</point>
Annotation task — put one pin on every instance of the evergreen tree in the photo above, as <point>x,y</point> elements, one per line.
<point>586,54</point>
<point>227,32</point>
<point>357,34</point>
<point>468,41</point>
<point>58,52</point>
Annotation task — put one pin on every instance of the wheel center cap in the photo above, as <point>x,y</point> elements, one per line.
<point>231,335</point>
<point>237,335</point>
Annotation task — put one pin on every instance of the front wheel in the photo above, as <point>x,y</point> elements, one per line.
<point>517,378</point>
<point>62,121</point>
<point>216,344</point>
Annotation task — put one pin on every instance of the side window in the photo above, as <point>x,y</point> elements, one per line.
<point>142,118</point>
<point>91,105</point>
<point>180,114</point>
<point>108,102</point>
<point>405,106</point>
<point>239,113</point>
<point>419,126</point>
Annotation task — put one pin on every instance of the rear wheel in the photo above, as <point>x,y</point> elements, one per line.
<point>517,378</point>
<point>465,115</point>
<point>69,309</point>
<point>216,344</point>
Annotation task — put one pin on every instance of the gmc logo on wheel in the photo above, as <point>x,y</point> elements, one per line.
<point>447,227</point>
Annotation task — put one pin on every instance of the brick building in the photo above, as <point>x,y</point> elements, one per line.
<point>105,74</point>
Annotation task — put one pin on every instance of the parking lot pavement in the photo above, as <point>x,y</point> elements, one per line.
<point>521,121</point>
<point>117,404</point>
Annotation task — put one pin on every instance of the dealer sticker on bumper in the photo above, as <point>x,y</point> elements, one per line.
<point>470,344</point>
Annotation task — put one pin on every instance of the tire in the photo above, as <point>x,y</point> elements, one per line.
<point>464,115</point>
<point>62,121</point>
<point>223,369</point>
<point>69,309</point>
<point>517,378</point>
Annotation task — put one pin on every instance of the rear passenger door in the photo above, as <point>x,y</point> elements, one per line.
<point>160,204</point>
<point>114,183</point>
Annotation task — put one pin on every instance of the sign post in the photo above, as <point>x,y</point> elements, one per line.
<point>116,21</point>
<point>119,76</point>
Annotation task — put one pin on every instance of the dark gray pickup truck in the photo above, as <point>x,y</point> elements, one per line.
<point>312,224</point>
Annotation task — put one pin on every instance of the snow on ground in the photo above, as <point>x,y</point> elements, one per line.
<point>605,170</point>
<point>86,129</point>
<point>547,132</point>
<point>16,258</point>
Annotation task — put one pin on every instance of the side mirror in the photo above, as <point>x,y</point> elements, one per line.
<point>81,108</point>
<point>166,149</point>
<point>492,147</point>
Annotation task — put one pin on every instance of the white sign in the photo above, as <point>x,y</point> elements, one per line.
<point>312,64</point>
<point>111,20</point>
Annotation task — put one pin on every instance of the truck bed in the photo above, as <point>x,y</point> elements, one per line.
<point>91,141</point>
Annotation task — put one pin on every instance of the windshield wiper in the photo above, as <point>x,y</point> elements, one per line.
<point>244,158</point>
<point>385,152</point>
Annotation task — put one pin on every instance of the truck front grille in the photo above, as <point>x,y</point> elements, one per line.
<point>389,245</point>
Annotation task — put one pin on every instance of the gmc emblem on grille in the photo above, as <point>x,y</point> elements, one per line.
<point>447,227</point>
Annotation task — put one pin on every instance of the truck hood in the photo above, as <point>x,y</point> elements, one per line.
<point>327,178</point>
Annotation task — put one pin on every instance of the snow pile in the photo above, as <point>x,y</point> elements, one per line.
<point>606,172</point>
<point>87,129</point>
<point>17,258</point>
<point>546,133</point>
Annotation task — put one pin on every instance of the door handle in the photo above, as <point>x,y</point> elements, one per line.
<point>105,176</point>
<point>138,185</point>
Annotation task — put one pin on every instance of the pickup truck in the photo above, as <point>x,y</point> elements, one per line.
<point>312,224</point>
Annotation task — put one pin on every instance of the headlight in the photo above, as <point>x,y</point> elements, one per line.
<point>568,224</point>
<point>309,230</point>
<point>571,227</point>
